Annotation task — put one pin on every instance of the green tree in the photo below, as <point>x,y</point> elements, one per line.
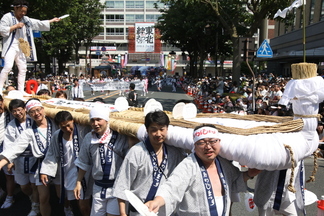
<point>189,28</point>
<point>236,14</point>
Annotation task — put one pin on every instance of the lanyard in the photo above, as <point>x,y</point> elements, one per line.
<point>19,127</point>
<point>76,149</point>
<point>106,160</point>
<point>208,186</point>
<point>27,24</point>
<point>27,153</point>
<point>48,137</point>
<point>157,170</point>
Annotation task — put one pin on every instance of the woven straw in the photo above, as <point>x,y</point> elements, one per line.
<point>128,122</point>
<point>303,70</point>
<point>258,118</point>
<point>24,46</point>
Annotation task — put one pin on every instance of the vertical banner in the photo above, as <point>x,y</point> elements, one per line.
<point>144,37</point>
<point>162,59</point>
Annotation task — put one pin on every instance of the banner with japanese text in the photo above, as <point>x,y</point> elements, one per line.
<point>144,37</point>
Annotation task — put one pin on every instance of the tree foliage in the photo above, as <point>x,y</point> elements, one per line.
<point>192,29</point>
<point>239,18</point>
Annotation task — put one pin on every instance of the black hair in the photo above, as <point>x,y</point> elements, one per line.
<point>75,79</point>
<point>99,99</point>
<point>1,98</point>
<point>20,3</point>
<point>159,117</point>
<point>205,125</point>
<point>44,92</point>
<point>59,93</point>
<point>62,116</point>
<point>132,86</point>
<point>15,103</point>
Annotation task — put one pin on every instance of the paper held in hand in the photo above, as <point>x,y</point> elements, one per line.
<point>138,204</point>
<point>64,16</point>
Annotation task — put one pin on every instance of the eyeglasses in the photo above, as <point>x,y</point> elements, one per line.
<point>203,143</point>
<point>18,110</point>
<point>33,112</point>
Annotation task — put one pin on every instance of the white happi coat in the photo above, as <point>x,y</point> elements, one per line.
<point>185,192</point>
<point>21,143</point>
<point>136,172</point>
<point>52,161</point>
<point>11,135</point>
<point>7,21</point>
<point>89,156</point>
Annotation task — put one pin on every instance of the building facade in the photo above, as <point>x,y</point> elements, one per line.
<point>291,42</point>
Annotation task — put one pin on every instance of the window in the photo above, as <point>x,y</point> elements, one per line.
<point>152,17</point>
<point>115,18</point>
<point>151,4</point>
<point>114,4</point>
<point>322,11</point>
<point>114,31</point>
<point>311,14</point>
<point>134,18</point>
<point>134,4</point>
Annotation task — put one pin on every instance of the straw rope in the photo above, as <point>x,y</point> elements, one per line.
<point>291,180</point>
<point>25,47</point>
<point>318,116</point>
<point>258,118</point>
<point>312,177</point>
<point>130,117</point>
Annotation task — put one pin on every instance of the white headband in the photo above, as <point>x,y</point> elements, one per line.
<point>33,103</point>
<point>99,112</point>
<point>205,132</point>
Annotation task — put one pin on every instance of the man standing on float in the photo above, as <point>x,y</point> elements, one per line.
<point>18,41</point>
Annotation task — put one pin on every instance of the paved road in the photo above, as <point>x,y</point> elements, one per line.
<point>166,96</point>
<point>168,99</point>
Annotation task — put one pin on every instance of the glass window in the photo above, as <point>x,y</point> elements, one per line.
<point>114,4</point>
<point>130,4</point>
<point>139,4</point>
<point>139,18</point>
<point>115,31</point>
<point>311,14</point>
<point>130,18</point>
<point>322,11</point>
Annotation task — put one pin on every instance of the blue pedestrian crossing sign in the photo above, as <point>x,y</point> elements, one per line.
<point>265,50</point>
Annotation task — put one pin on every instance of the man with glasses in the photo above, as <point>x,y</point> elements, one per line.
<point>202,184</point>
<point>147,164</point>
<point>38,136</point>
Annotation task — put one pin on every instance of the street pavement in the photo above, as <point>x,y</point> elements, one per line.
<point>21,207</point>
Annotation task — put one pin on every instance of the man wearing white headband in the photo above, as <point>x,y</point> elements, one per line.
<point>147,164</point>
<point>102,151</point>
<point>38,137</point>
<point>203,182</point>
<point>17,31</point>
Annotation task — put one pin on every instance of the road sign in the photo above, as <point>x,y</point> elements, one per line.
<point>265,50</point>
<point>37,34</point>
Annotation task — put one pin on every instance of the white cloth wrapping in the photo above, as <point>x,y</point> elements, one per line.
<point>7,22</point>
